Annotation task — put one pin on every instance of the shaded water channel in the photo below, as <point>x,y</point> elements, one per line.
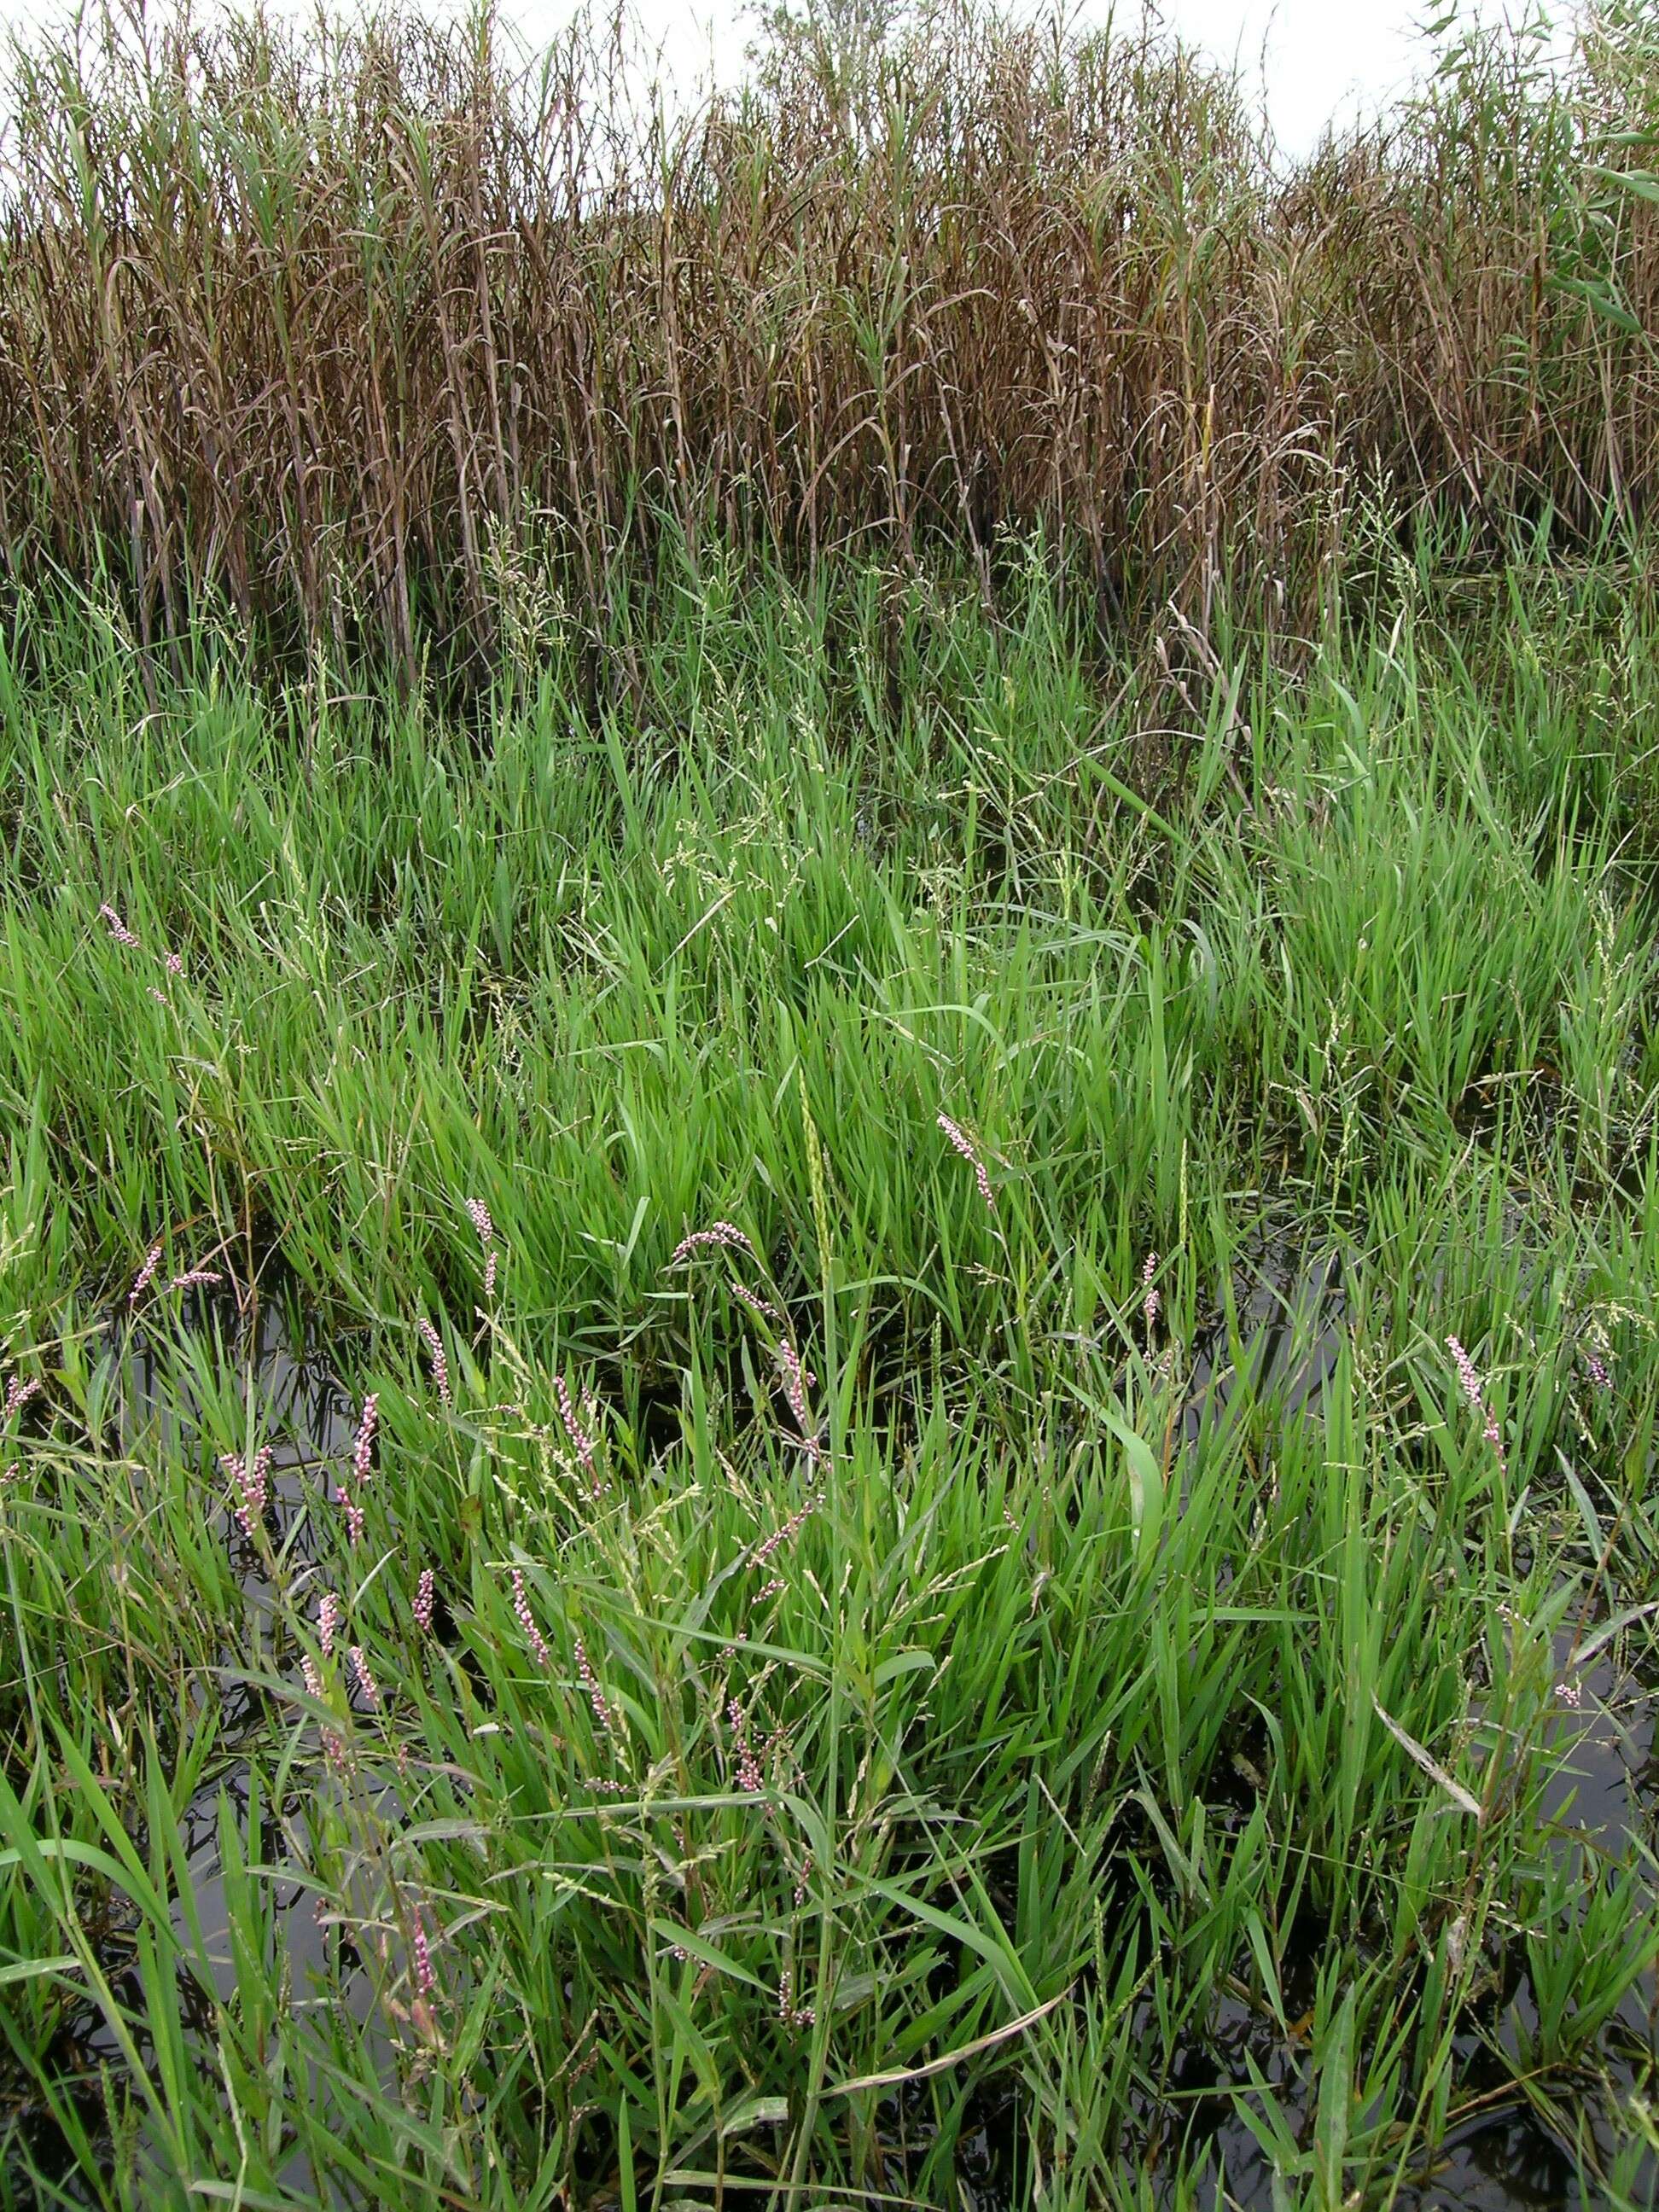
<point>1503,2155</point>
<point>297,1404</point>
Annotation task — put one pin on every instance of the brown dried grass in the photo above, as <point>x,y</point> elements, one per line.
<point>320,322</point>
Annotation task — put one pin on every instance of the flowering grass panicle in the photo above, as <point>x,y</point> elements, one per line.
<point>792,2015</point>
<point>533,1636</point>
<point>763,1552</point>
<point>969,1152</point>
<point>439,1359</point>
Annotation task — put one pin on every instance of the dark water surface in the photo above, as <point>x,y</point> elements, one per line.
<point>297,1405</point>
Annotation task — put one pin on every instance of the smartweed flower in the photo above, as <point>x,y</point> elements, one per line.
<point>749,1774</point>
<point>424,1592</point>
<point>362,1452</point>
<point>354,1514</point>
<point>1151,1299</point>
<point>965,1145</point>
<point>146,1275</point>
<point>328,1619</point>
<point>425,1980</point>
<point>726,1234</point>
<point>757,1306</point>
<point>196,1278</point>
<point>595,1694</point>
<point>1474,1392</point>
<point>434,1344</point>
<point>479,1215</point>
<point>579,1436</point>
<point>365,1681</point>
<point>253,1484</point>
<point>19,1391</point>
<point>117,928</point>
<point>527,1619</point>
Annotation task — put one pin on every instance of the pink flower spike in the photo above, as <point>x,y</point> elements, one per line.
<point>537,1641</point>
<point>425,1980</point>
<point>328,1619</point>
<point>362,1452</point>
<point>726,1234</point>
<point>798,1380</point>
<point>964,1145</point>
<point>750,1778</point>
<point>146,1275</point>
<point>251,1483</point>
<point>595,1694</point>
<point>176,966</point>
<point>424,1593</point>
<point>478,1214</point>
<point>434,1344</point>
<point>196,1278</point>
<point>761,1308</point>
<point>312,1674</point>
<point>365,1681</point>
<point>117,928</point>
<point>579,1436</point>
<point>19,1391</point>
<point>354,1514</point>
<point>1474,1392</point>
<point>491,1266</point>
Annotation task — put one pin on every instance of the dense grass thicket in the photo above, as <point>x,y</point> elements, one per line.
<point>917,1699</point>
<point>341,328</point>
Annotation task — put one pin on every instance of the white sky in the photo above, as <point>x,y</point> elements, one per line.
<point>1315,60</point>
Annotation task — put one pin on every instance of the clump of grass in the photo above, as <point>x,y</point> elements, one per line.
<point>386,334</point>
<point>807,1669</point>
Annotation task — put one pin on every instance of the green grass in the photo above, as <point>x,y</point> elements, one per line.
<point>1082,1744</point>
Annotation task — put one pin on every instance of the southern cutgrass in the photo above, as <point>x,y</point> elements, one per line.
<point>1070,1730</point>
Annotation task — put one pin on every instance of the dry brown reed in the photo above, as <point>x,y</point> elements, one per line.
<point>336,324</point>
